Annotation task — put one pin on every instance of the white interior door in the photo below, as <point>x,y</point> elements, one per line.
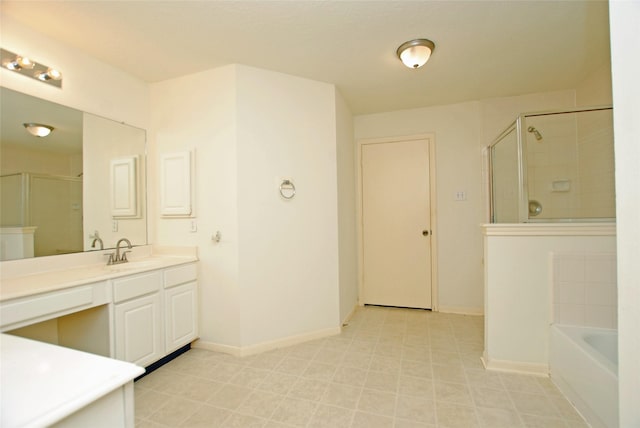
<point>396,224</point>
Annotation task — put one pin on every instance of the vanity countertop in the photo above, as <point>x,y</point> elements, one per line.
<point>66,276</point>
<point>43,383</point>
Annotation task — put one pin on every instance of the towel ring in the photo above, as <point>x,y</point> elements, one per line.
<point>287,189</point>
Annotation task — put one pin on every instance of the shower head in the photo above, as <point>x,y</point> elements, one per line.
<point>535,132</point>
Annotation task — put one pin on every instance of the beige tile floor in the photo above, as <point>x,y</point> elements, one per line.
<point>388,368</point>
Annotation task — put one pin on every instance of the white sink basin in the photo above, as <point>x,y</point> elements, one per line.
<point>136,264</point>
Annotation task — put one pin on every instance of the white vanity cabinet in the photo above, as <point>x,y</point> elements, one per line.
<point>138,312</point>
<point>138,318</point>
<point>180,306</point>
<point>155,313</point>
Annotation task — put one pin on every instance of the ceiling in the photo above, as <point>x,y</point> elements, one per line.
<point>483,48</point>
<point>18,108</point>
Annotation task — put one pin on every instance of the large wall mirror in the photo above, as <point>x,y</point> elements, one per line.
<point>60,193</point>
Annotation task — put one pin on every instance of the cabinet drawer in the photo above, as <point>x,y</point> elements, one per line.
<point>180,275</point>
<point>51,305</point>
<point>137,285</point>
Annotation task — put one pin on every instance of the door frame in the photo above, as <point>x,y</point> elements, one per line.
<point>430,137</point>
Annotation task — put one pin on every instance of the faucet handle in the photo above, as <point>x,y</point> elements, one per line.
<point>111,259</point>
<point>123,257</point>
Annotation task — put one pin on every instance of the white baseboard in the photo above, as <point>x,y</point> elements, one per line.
<point>536,369</point>
<point>244,351</point>
<point>461,310</point>
<point>346,320</point>
<point>217,347</point>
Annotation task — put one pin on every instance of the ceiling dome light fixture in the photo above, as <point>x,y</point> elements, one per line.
<point>38,129</point>
<point>415,53</point>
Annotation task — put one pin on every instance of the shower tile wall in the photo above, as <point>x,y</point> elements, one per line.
<point>585,289</point>
<point>554,158</point>
<point>596,170</point>
<point>570,171</point>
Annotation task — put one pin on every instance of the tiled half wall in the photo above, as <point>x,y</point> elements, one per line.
<point>584,289</point>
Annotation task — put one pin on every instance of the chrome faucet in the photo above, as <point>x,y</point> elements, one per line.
<point>97,239</point>
<point>116,258</point>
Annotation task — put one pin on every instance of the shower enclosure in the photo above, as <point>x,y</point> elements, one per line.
<point>51,204</point>
<point>554,167</point>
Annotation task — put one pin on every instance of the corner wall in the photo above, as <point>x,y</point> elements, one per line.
<point>288,249</point>
<point>347,251</point>
<point>198,112</point>
<point>625,39</point>
<point>274,276</point>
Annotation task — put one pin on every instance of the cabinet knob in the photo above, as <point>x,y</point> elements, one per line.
<point>425,233</point>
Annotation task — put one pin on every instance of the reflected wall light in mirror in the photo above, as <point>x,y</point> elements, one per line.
<point>38,129</point>
<point>28,67</point>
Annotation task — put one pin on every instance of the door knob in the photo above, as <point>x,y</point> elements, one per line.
<point>425,233</point>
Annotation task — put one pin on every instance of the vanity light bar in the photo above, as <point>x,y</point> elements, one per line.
<point>27,67</point>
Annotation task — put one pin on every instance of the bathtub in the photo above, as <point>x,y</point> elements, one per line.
<point>583,362</point>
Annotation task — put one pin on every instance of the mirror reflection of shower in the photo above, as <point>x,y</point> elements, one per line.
<point>535,132</point>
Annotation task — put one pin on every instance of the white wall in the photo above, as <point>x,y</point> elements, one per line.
<point>347,249</point>
<point>14,159</point>
<point>461,131</point>
<point>595,89</point>
<point>457,131</point>
<point>625,39</point>
<point>288,249</point>
<point>274,275</point>
<point>499,113</point>
<point>198,112</point>
<point>88,84</point>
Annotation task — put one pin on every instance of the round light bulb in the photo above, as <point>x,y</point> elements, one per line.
<point>25,62</point>
<point>54,74</point>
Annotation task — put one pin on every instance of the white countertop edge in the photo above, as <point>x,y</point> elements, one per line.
<point>36,265</point>
<point>549,229</point>
<point>18,230</point>
<point>84,400</point>
<point>52,280</point>
<point>18,355</point>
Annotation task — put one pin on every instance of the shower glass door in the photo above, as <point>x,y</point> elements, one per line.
<point>505,178</point>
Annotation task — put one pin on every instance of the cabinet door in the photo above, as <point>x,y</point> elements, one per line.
<point>139,330</point>
<point>181,315</point>
<point>175,184</point>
